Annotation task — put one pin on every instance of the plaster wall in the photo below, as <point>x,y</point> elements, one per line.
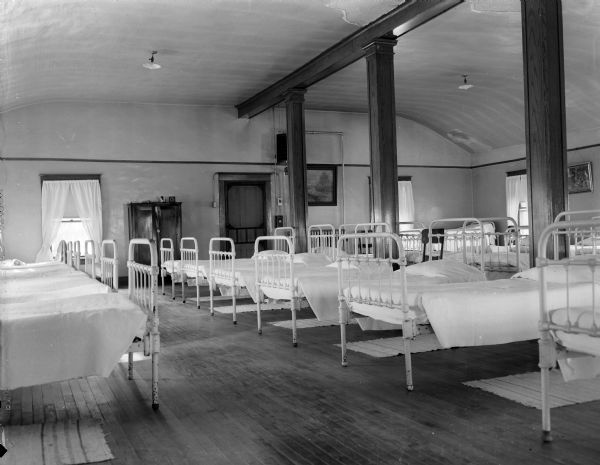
<point>145,151</point>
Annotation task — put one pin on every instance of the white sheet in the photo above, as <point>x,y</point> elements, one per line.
<point>51,335</point>
<point>491,312</point>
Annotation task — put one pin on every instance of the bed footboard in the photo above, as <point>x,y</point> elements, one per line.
<point>109,264</point>
<point>374,285</point>
<point>89,258</point>
<point>221,254</point>
<point>167,260</point>
<point>569,327</point>
<point>142,282</point>
<point>274,273</point>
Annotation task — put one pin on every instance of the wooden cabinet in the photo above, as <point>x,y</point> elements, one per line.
<point>155,220</point>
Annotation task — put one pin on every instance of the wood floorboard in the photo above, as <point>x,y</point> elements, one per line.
<point>229,396</point>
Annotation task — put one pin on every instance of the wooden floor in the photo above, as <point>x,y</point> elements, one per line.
<point>229,396</point>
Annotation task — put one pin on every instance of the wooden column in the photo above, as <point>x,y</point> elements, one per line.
<point>545,128</point>
<point>296,150</point>
<point>382,125</point>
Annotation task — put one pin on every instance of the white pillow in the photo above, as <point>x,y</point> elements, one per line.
<point>455,271</point>
<point>312,259</point>
<point>346,265</point>
<point>558,274</point>
<point>11,262</point>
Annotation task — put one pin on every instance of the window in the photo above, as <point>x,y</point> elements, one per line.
<point>516,197</point>
<point>406,203</point>
<point>71,230</point>
<point>71,211</point>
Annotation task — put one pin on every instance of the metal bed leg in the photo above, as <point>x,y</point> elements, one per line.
<point>130,365</point>
<point>234,303</point>
<point>172,286</point>
<point>258,320</point>
<point>182,289</point>
<point>211,298</point>
<point>197,292</point>
<point>155,354</point>
<point>547,361</point>
<point>343,344</point>
<point>408,364</point>
<point>294,330</point>
<point>408,333</point>
<point>162,281</point>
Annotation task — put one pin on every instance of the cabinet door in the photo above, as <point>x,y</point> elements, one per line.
<point>168,224</point>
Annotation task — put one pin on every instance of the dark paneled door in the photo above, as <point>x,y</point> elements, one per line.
<point>245,214</point>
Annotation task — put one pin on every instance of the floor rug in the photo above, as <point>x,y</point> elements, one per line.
<point>525,389</point>
<point>228,309</point>
<point>55,444</point>
<point>392,346</point>
<point>306,323</point>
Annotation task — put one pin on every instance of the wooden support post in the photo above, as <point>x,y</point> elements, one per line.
<point>382,123</point>
<point>545,128</point>
<point>296,149</point>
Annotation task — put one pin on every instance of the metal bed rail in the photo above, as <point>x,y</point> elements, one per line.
<point>321,239</point>
<point>167,256</point>
<point>274,269</point>
<point>188,249</point>
<point>109,264</point>
<point>142,287</point>
<point>221,255</point>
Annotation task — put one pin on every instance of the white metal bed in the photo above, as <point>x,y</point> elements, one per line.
<point>476,241</point>
<point>411,235</point>
<point>81,326</point>
<point>461,313</point>
<point>224,270</point>
<point>570,333</point>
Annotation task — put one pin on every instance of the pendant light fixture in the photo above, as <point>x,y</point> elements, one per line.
<point>151,63</point>
<point>465,85</point>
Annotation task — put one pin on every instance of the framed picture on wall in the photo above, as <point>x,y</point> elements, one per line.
<point>321,185</point>
<point>580,178</point>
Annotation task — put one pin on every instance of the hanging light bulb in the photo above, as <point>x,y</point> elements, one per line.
<point>465,85</point>
<point>151,64</point>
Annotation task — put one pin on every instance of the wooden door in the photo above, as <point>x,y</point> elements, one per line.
<point>245,214</point>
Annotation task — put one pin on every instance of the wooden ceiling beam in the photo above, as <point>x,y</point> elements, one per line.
<point>408,16</point>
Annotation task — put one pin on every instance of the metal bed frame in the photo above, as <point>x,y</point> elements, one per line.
<point>388,255</point>
<point>189,266</point>
<point>167,254</point>
<point>555,335</point>
<point>109,264</point>
<point>142,286</point>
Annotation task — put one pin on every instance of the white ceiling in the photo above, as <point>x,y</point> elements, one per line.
<point>221,52</point>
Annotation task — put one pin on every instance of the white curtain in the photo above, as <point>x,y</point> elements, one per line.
<point>88,202</point>
<point>54,199</point>
<point>516,192</point>
<point>406,204</point>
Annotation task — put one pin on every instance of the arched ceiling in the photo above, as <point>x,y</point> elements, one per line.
<point>221,52</point>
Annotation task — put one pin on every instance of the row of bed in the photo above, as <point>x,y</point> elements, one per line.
<point>359,270</point>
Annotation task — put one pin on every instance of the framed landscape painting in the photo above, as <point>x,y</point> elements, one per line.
<point>580,178</point>
<point>321,185</point>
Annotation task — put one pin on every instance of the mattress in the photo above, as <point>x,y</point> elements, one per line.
<point>60,334</point>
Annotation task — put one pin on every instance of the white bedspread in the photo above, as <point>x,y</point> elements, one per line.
<point>492,312</point>
<point>53,332</point>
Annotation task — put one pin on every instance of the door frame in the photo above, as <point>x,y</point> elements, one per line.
<point>225,178</point>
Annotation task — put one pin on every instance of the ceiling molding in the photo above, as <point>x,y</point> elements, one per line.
<point>408,16</point>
